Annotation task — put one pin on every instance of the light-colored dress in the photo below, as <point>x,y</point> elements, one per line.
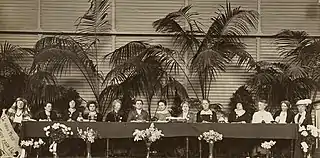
<point>262,116</point>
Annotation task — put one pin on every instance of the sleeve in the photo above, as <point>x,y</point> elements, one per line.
<point>54,116</point>
<point>214,117</point>
<point>276,114</point>
<point>198,117</point>
<point>130,116</point>
<point>231,116</point>
<point>147,116</point>
<point>108,117</point>
<point>65,116</point>
<point>270,117</point>
<point>254,118</point>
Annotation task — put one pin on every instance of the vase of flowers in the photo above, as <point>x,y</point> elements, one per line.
<point>308,134</point>
<point>267,147</point>
<point>57,133</point>
<point>88,135</point>
<point>148,135</point>
<point>26,146</point>
<point>211,137</point>
<point>37,146</point>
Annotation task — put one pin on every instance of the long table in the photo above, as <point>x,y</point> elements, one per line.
<point>125,129</point>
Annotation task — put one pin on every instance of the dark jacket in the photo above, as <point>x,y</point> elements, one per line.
<point>133,115</point>
<point>208,118</point>
<point>306,121</point>
<point>115,117</point>
<point>41,115</point>
<point>98,117</point>
<point>245,117</point>
<point>67,115</point>
<point>290,116</point>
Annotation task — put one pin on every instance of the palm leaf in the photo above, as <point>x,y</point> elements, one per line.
<point>184,37</point>
<point>57,54</point>
<point>95,20</point>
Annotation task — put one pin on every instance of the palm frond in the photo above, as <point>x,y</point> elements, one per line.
<point>173,23</point>
<point>95,20</point>
<point>57,54</point>
<point>124,53</point>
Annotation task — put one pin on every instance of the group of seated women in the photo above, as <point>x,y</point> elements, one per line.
<point>19,111</point>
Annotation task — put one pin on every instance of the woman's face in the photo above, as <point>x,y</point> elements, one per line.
<point>72,104</point>
<point>301,108</point>
<point>20,104</point>
<point>239,106</point>
<point>92,107</point>
<point>185,107</point>
<point>205,104</point>
<point>284,107</point>
<point>162,106</point>
<point>48,107</point>
<point>261,106</point>
<point>117,106</point>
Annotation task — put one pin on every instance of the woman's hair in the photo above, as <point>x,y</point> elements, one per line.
<point>138,100</point>
<point>162,101</point>
<point>263,101</point>
<point>115,101</point>
<point>91,102</point>
<point>185,102</point>
<point>75,103</point>
<point>206,100</point>
<point>25,104</point>
<point>286,102</point>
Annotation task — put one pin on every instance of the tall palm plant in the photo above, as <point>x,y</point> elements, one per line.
<point>299,49</point>
<point>280,81</point>
<point>58,54</point>
<point>139,68</point>
<point>17,81</point>
<point>208,52</point>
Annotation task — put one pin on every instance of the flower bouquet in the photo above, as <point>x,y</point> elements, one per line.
<point>58,133</point>
<point>27,145</point>
<point>211,137</point>
<point>308,138</point>
<point>267,146</point>
<point>149,135</point>
<point>88,135</point>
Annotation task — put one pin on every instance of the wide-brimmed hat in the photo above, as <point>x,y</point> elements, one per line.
<point>305,102</point>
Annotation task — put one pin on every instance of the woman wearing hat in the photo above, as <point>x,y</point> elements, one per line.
<point>285,115</point>
<point>303,118</point>
<point>18,112</point>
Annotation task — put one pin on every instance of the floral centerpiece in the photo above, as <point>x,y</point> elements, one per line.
<point>211,137</point>
<point>267,146</point>
<point>27,145</point>
<point>309,135</point>
<point>88,135</point>
<point>148,135</point>
<point>58,133</point>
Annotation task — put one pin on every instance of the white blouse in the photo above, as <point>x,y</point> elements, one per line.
<point>260,116</point>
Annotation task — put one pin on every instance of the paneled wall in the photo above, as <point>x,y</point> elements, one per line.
<point>24,22</point>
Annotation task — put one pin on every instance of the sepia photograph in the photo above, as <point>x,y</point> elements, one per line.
<point>159,78</point>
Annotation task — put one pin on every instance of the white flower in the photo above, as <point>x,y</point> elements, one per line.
<point>268,145</point>
<point>302,128</point>
<point>47,133</point>
<point>304,146</point>
<point>55,126</point>
<point>304,133</point>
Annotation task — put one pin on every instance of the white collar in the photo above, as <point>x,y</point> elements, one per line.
<point>302,118</point>
<point>239,112</point>
<point>208,112</point>
<point>139,111</point>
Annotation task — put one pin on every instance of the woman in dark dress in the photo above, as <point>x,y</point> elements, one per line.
<point>115,115</point>
<point>206,115</point>
<point>285,115</point>
<point>72,113</point>
<point>92,115</point>
<point>239,115</point>
<point>47,114</point>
